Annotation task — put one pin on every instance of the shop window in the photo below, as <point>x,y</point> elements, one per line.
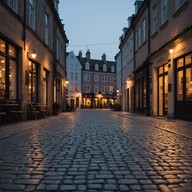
<point>180,85</point>
<point>180,63</point>
<point>45,87</point>
<point>188,84</point>
<point>8,71</point>
<point>2,46</point>
<point>33,81</point>
<point>188,59</point>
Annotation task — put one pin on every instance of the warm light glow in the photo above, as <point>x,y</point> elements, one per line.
<point>67,82</point>
<point>171,51</point>
<point>32,54</point>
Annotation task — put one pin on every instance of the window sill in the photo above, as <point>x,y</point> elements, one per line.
<point>154,34</point>
<point>178,11</point>
<point>164,25</point>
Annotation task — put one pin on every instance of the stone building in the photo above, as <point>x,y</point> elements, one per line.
<point>32,53</point>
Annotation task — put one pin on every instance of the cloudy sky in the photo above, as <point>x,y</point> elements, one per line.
<point>95,25</point>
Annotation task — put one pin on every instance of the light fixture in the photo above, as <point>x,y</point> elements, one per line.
<point>31,53</point>
<point>171,51</point>
<point>67,82</point>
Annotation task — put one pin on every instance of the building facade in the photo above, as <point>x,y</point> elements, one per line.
<point>98,81</point>
<point>32,53</point>
<point>74,92</point>
<point>162,58</point>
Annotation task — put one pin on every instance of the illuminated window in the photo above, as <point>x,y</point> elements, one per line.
<point>8,71</point>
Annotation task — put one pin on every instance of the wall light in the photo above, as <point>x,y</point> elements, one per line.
<point>31,53</point>
<point>171,51</point>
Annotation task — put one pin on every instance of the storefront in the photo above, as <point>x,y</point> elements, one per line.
<point>183,87</point>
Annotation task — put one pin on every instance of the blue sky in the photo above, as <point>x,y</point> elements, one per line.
<point>95,25</point>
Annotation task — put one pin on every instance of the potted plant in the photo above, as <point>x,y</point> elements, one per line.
<point>55,108</point>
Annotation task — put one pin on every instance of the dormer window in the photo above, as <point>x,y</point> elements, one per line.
<point>105,67</point>
<point>96,67</point>
<point>87,66</point>
<point>112,69</point>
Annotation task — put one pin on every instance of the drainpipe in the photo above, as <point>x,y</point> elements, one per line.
<point>148,63</point>
<point>24,24</point>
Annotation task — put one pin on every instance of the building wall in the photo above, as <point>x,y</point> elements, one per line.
<point>16,30</point>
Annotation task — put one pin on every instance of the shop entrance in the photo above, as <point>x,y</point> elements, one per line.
<point>163,90</point>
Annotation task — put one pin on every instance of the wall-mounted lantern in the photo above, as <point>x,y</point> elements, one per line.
<point>31,53</point>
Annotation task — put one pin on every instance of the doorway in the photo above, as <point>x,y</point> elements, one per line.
<point>163,90</point>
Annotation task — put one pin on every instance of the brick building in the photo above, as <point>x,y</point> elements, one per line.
<point>98,81</point>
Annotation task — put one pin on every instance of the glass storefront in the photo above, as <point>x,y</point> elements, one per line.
<point>184,87</point>
<point>8,71</point>
<point>163,90</point>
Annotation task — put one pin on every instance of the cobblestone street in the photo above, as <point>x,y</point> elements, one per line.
<point>96,150</point>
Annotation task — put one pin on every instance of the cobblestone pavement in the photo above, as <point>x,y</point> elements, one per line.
<point>96,150</point>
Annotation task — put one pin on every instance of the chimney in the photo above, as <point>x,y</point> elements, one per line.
<point>88,55</point>
<point>103,58</point>
<point>130,19</point>
<point>80,55</point>
<point>138,4</point>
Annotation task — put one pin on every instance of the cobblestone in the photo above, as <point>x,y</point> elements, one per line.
<point>96,150</point>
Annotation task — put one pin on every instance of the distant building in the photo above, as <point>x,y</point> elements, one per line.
<point>32,53</point>
<point>98,81</point>
<point>74,91</point>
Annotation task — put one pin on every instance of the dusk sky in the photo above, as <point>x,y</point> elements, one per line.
<point>95,25</point>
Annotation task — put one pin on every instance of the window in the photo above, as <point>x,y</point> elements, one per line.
<point>179,3</point>
<point>45,87</point>
<point>46,28</point>
<point>32,14</point>
<point>110,89</point>
<point>87,66</point>
<point>136,41</point>
<point>184,78</point>
<point>58,48</point>
<point>139,36</point>
<point>112,69</point>
<point>71,77</point>
<point>144,30</point>
<point>104,78</point>
<point>111,79</point>
<point>76,76</point>
<point>96,89</point>
<point>86,77</point>
<point>96,78</point>
<point>8,71</point>
<point>57,91</point>
<point>12,4</point>
<point>96,67</point>
<point>56,4</point>
<point>104,89</point>
<point>164,11</point>
<point>33,81</point>
<point>86,89</point>
<point>105,67</point>
<point>154,19</point>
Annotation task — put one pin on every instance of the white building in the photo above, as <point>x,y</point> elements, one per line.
<point>73,69</point>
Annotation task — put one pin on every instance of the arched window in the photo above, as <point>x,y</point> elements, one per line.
<point>96,67</point>
<point>87,66</point>
<point>104,67</point>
